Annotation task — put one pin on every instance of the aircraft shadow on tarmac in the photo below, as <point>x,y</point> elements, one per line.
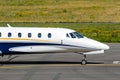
<point>45,62</point>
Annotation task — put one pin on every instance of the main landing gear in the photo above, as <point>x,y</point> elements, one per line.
<point>10,58</point>
<point>84,61</point>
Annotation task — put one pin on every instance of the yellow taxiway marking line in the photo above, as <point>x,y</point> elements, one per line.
<point>56,65</point>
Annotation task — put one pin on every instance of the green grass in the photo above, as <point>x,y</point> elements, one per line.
<point>104,32</point>
<point>59,11</point>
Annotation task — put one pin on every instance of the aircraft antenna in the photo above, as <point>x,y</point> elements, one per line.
<point>9,25</point>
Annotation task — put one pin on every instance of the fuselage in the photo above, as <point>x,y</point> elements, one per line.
<point>40,40</point>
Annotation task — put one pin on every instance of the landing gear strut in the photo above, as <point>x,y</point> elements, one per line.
<point>84,61</point>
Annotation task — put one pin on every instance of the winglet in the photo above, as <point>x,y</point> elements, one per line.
<point>9,25</point>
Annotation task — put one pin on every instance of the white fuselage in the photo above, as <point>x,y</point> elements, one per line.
<point>40,40</point>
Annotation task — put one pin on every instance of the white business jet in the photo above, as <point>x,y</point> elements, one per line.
<point>19,40</point>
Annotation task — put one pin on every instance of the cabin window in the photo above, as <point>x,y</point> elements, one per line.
<point>9,34</point>
<point>0,34</point>
<point>49,35</point>
<point>67,35</point>
<point>29,35</point>
<point>39,35</point>
<point>72,35</point>
<point>19,35</point>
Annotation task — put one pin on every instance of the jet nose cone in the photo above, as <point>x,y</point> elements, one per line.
<point>102,46</point>
<point>99,45</point>
<point>95,44</point>
<point>105,47</point>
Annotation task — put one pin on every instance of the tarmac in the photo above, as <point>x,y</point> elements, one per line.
<point>62,66</point>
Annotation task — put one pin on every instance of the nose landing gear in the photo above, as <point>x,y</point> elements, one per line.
<point>84,61</point>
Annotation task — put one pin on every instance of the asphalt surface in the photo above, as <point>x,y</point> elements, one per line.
<point>63,66</point>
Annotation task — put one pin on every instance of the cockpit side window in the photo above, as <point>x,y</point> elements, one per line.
<point>67,35</point>
<point>72,35</point>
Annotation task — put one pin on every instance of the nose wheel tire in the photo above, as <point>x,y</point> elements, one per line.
<point>83,62</point>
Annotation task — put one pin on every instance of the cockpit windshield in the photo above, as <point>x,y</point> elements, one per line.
<point>76,35</point>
